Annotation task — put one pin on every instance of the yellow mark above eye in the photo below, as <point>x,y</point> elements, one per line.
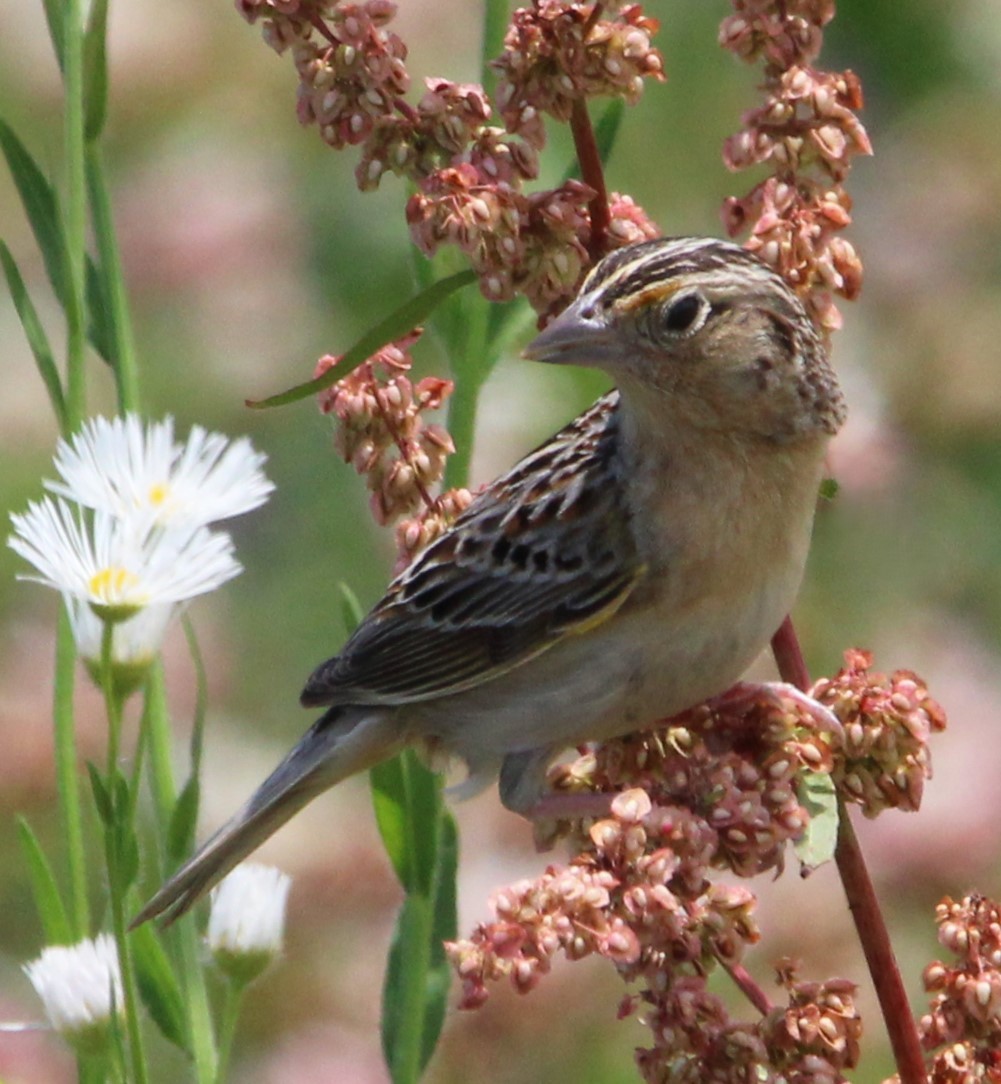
<point>649,295</point>
<point>112,585</point>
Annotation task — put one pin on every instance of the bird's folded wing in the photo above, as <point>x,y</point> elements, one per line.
<point>544,553</point>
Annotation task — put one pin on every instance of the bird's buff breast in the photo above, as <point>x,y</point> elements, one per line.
<point>689,630</point>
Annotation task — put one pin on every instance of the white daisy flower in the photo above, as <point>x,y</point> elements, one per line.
<point>126,467</point>
<point>81,987</point>
<point>247,920</point>
<point>105,562</point>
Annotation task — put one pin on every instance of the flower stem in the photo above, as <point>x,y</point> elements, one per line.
<point>592,173</point>
<point>470,365</point>
<point>157,725</point>
<point>862,901</point>
<point>879,955</point>
<point>749,987</point>
<point>70,809</point>
<point>118,834</point>
<point>230,1015</point>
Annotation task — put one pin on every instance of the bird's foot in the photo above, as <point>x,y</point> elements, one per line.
<point>554,810</point>
<point>747,694</point>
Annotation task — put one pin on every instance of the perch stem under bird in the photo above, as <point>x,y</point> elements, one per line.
<point>629,568</point>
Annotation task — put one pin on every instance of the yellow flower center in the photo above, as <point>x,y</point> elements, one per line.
<point>112,585</point>
<point>158,494</point>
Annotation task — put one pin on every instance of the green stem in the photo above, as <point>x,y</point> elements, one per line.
<point>495,22</point>
<point>70,808</point>
<point>124,353</point>
<point>156,723</point>
<point>230,1015</point>
<point>117,831</point>
<point>76,212</point>
<point>468,357</point>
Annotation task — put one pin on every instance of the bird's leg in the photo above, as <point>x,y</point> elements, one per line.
<point>558,807</point>
<point>523,790</point>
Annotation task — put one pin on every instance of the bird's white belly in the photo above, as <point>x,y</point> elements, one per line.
<point>618,678</point>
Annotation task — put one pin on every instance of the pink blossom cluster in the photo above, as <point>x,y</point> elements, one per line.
<point>884,760</point>
<point>639,896</point>
<point>962,1029</point>
<point>558,53</point>
<point>382,434</point>
<point>808,1041</point>
<point>715,788</point>
<point>470,175</point>
<point>735,763</point>
<point>808,132</point>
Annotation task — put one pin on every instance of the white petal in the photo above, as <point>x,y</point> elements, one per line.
<point>248,911</point>
<point>140,473</point>
<point>77,983</point>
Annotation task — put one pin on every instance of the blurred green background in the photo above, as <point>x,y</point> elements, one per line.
<point>249,253</point>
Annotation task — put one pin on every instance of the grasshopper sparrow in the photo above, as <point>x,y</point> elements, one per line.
<point>629,568</point>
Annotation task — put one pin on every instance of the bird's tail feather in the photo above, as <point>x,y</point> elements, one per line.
<point>338,745</point>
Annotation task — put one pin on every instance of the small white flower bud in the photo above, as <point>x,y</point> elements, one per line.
<point>80,986</point>
<point>247,920</point>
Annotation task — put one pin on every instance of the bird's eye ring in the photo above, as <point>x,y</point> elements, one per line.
<point>686,313</point>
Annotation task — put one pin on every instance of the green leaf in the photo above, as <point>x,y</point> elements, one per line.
<point>128,859</point>
<point>819,798</point>
<point>51,911</point>
<point>829,489</point>
<point>607,129</point>
<point>40,206</point>
<point>183,819</point>
<point>100,327</point>
<point>351,610</point>
<point>55,16</point>
<point>399,323</point>
<point>496,18</point>
<point>95,70</point>
<point>35,334</point>
<point>444,928</point>
<point>389,799</point>
<point>406,798</point>
<point>415,987</point>
<point>158,986</point>
<point>42,210</point>
<point>102,799</point>
<point>404,981</point>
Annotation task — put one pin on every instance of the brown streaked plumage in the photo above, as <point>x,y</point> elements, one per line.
<point>627,569</point>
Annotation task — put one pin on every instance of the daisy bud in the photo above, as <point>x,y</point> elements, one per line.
<point>247,920</point>
<point>81,988</point>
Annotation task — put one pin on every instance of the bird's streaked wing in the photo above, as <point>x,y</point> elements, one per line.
<point>502,585</point>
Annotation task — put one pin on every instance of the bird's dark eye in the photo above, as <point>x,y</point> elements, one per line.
<point>682,313</point>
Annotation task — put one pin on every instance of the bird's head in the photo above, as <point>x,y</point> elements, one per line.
<point>708,325</point>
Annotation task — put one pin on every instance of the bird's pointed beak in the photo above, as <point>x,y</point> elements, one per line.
<point>578,336</point>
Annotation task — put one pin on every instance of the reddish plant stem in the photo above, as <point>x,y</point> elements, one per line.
<point>862,901</point>
<point>322,28</point>
<point>748,986</point>
<point>592,174</point>
<point>864,906</point>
